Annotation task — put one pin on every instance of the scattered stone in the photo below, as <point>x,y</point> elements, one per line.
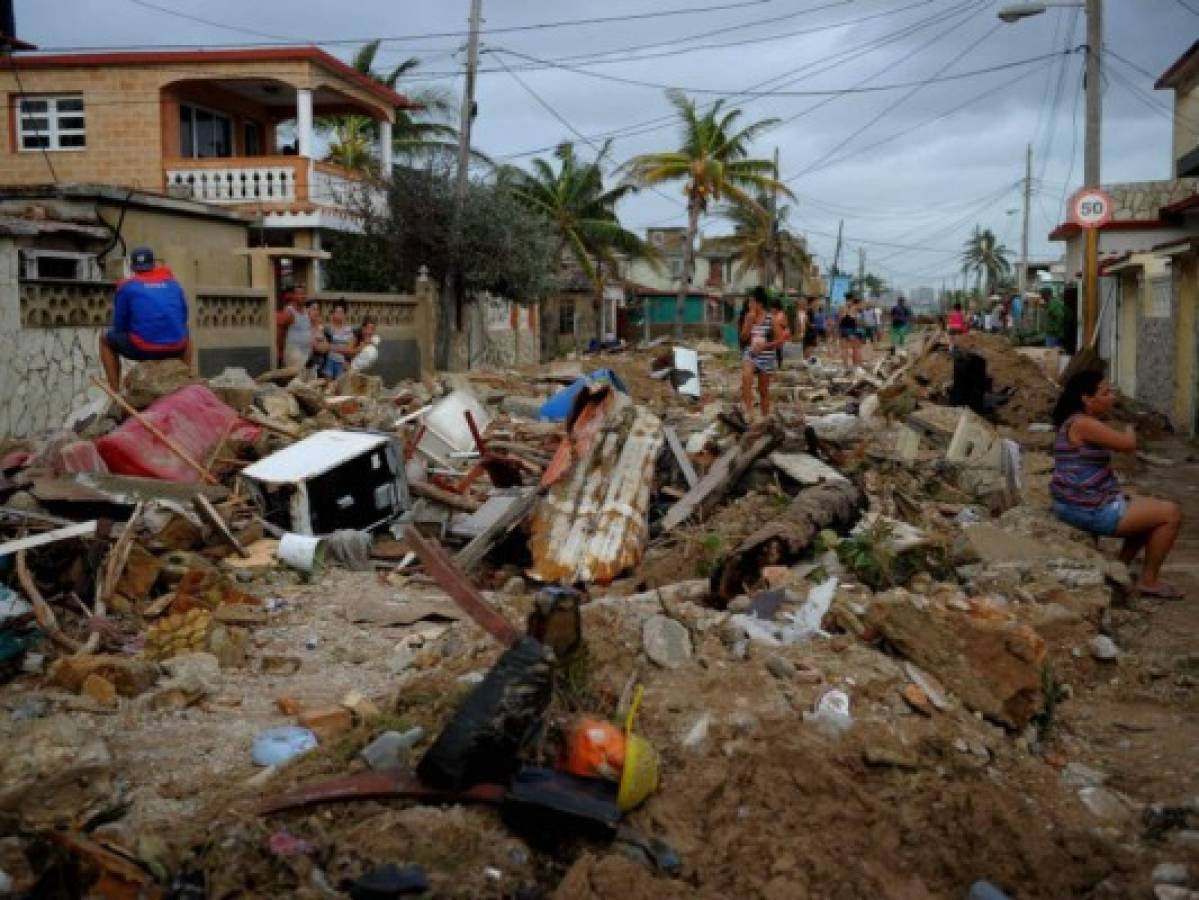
<point>1171,873</point>
<point>697,734</point>
<point>781,667</point>
<point>289,706</point>
<point>230,646</point>
<point>743,723</point>
<point>130,676</point>
<point>1104,648</point>
<point>917,699</point>
<point>1173,892</point>
<point>149,381</point>
<point>391,748</point>
<point>140,574</point>
<point>401,659</point>
<point>742,603</point>
<point>514,586</point>
<point>890,757</point>
<point>99,689</point>
<point>362,707</point>
<point>1104,804</point>
<point>666,641</point>
<point>51,772</point>
<point>327,721</point>
<point>1078,775</point>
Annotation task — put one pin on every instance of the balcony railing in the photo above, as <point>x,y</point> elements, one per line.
<point>272,181</point>
<point>239,180</point>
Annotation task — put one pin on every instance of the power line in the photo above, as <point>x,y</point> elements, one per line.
<point>145,4</point>
<point>529,26</point>
<point>891,107</point>
<point>1187,6</point>
<point>829,92</point>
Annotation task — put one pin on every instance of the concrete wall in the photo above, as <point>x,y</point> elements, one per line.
<point>554,341</point>
<point>1186,118</point>
<point>1185,272</point>
<point>44,372</point>
<point>1156,327</point>
<point>497,334</point>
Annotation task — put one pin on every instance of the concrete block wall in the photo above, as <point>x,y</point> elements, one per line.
<point>1155,345</point>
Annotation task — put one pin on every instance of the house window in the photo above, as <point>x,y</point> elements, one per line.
<point>204,133</point>
<point>676,268</point>
<point>566,317</point>
<point>52,123</point>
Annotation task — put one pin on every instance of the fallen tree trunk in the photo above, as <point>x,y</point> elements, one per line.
<point>836,505</point>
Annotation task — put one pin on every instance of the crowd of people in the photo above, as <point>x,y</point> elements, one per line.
<point>327,350</point>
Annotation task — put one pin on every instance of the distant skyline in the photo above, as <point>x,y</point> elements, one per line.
<point>911,170</point>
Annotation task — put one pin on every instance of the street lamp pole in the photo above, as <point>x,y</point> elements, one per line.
<point>1093,138</point>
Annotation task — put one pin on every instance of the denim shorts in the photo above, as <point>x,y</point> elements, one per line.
<point>1101,520</point>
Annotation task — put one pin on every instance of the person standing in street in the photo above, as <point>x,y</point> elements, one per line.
<point>149,318</point>
<point>900,318</point>
<point>849,328</point>
<point>957,322</point>
<point>296,329</point>
<point>758,361</point>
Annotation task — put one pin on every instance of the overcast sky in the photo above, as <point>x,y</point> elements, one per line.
<point>914,166</point>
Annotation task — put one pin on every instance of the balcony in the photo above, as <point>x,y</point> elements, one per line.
<point>287,191</point>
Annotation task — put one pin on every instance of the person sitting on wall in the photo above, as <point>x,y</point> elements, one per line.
<point>149,318</point>
<point>1086,492</point>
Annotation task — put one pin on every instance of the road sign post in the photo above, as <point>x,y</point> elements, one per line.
<point>1091,209</point>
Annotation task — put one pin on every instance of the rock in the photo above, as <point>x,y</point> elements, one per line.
<point>140,574</point>
<point>890,757</point>
<point>781,667</point>
<point>239,614</point>
<point>50,774</point>
<point>152,380</point>
<point>309,396</point>
<point>742,603</point>
<point>1078,775</point>
<point>1105,804</point>
<point>360,706</point>
<point>327,722</point>
<point>198,671</point>
<point>359,384</point>
<point>1104,648</point>
<point>697,734</point>
<point>178,633</point>
<point>401,659</point>
<point>99,689</point>
<point>230,646</point>
<point>1173,892</point>
<point>667,642</point>
<point>277,403</point>
<point>917,699</point>
<point>986,657</point>
<point>128,675</point>
<point>391,748</point>
<point>1171,873</point>
<point>235,388</point>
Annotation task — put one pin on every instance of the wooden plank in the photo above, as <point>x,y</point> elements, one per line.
<point>461,502</point>
<point>680,456</point>
<point>83,529</point>
<point>209,513</point>
<point>724,472</point>
<point>472,554</point>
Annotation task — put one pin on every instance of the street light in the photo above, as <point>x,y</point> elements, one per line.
<point>1091,147</point>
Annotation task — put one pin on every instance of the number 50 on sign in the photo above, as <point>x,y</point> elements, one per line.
<point>1091,208</point>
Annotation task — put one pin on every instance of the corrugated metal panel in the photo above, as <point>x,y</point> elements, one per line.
<point>593,525</point>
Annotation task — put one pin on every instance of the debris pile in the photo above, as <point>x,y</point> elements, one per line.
<point>579,629</point>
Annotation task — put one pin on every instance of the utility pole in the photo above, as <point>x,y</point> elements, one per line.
<point>1091,164</point>
<point>1023,280</point>
<point>862,271</point>
<point>772,251</point>
<point>837,252</point>
<point>454,285</point>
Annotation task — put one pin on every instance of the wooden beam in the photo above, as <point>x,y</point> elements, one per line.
<point>472,554</point>
<point>83,529</point>
<point>724,473</point>
<point>680,456</point>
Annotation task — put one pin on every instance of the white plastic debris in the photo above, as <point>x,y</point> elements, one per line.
<point>832,714</point>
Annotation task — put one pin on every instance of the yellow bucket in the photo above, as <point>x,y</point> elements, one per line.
<point>641,763</point>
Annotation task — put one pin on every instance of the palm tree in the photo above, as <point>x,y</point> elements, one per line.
<point>713,162</point>
<point>581,210</point>
<point>417,131</point>
<point>760,242</point>
<point>986,257</point>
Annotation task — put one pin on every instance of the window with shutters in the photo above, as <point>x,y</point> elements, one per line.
<point>51,123</point>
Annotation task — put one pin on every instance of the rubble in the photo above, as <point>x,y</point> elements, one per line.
<point>865,589</point>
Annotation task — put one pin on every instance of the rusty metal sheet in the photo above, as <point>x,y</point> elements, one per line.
<point>594,523</point>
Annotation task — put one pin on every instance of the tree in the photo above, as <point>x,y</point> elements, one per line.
<point>713,162</point>
<point>581,211</point>
<point>504,249</point>
<point>986,258</point>
<point>760,242</point>
<point>417,131</point>
<point>870,285</point>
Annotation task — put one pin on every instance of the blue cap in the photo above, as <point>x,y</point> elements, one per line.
<point>141,259</point>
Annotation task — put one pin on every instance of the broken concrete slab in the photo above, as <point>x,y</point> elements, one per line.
<point>992,662</point>
<point>805,468</point>
<point>131,676</point>
<point>666,641</point>
<point>51,774</point>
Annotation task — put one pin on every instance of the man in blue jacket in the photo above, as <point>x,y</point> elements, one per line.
<point>149,318</point>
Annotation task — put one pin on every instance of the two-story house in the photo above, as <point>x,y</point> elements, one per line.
<point>233,128</point>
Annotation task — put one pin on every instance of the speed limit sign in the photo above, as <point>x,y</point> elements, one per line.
<point>1092,208</point>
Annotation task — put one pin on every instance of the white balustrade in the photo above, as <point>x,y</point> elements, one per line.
<point>235,184</point>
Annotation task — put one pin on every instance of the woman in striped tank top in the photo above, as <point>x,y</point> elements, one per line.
<point>760,338</point>
<point>1086,492</point>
